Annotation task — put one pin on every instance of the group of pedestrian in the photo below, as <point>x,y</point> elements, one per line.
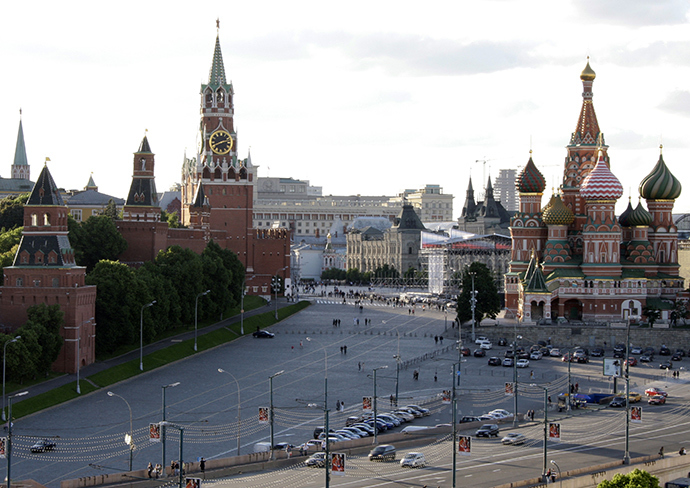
<point>575,388</point>
<point>339,406</point>
<point>676,374</point>
<point>336,322</point>
<point>530,415</point>
<point>343,349</point>
<point>154,471</point>
<point>410,311</point>
<point>438,338</point>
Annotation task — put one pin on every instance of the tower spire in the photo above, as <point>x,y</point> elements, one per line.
<point>216,76</point>
<point>20,167</point>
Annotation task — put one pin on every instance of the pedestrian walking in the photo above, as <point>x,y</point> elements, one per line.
<point>149,469</point>
<point>359,366</point>
<point>435,377</point>
<point>436,339</point>
<point>345,349</point>
<point>531,374</point>
<point>440,338</point>
<point>202,466</point>
<point>661,452</point>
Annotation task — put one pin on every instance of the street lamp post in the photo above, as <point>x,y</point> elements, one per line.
<point>325,413</point>
<point>4,366</point>
<point>141,335</point>
<point>239,404</point>
<point>129,439</point>
<point>9,437</point>
<point>515,380</point>
<point>376,427</point>
<point>473,302</point>
<point>454,403</point>
<point>196,314</point>
<point>626,456</point>
<point>181,462</point>
<point>270,387</point>
<point>163,388</point>
<point>276,286</point>
<point>560,480</point>
<point>546,429</point>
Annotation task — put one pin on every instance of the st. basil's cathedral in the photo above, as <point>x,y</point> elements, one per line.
<point>573,258</point>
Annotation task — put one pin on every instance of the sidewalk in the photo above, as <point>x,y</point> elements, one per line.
<point>99,366</point>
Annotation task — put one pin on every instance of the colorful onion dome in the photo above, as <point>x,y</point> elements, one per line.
<point>588,73</point>
<point>623,219</point>
<point>557,213</point>
<point>660,184</point>
<point>530,180</point>
<point>601,184</point>
<point>640,216</point>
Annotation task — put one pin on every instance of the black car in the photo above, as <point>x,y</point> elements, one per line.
<point>479,353</point>
<point>664,351</point>
<point>666,365</point>
<point>469,418</point>
<point>617,402</point>
<point>43,445</point>
<point>680,352</point>
<point>597,352</point>
<point>676,357</point>
<point>619,348</point>
<point>494,361</point>
<point>582,359</point>
<point>502,342</point>
<point>487,430</point>
<point>264,334</point>
<point>619,354</point>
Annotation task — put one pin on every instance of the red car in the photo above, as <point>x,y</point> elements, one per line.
<point>655,391</point>
<point>657,400</point>
<point>632,360</point>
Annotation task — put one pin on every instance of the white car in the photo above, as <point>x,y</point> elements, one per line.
<point>485,345</point>
<point>503,413</point>
<point>405,415</point>
<point>555,353</point>
<point>522,363</point>
<point>413,460</point>
<point>514,439</point>
<point>536,355</point>
<point>481,339</point>
<point>347,433</point>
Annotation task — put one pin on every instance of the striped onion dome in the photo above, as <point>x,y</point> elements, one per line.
<point>660,184</point>
<point>601,184</point>
<point>640,216</point>
<point>530,180</point>
<point>623,219</point>
<point>557,213</point>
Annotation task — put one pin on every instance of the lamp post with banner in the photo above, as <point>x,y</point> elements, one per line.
<point>270,387</point>
<point>163,388</point>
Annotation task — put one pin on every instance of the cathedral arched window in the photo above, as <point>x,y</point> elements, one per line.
<point>46,219</point>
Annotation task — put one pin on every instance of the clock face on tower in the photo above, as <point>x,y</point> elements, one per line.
<point>221,142</point>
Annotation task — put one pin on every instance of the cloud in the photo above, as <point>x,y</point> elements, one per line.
<point>654,54</point>
<point>635,13</point>
<point>677,102</point>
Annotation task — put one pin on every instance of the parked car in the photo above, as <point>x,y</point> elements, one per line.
<point>514,439</point>
<point>406,416</point>
<point>413,460</point>
<point>263,334</point>
<point>635,350</point>
<point>318,430</point>
<point>522,363</point>
<point>415,413</point>
<point>356,430</point>
<point>664,351</point>
<point>502,341</point>
<point>676,357</point>
<point>666,365</point>
<point>351,435</point>
<point>507,362</point>
<point>494,361</point>
<point>425,411</point>
<point>487,430</point>
<point>387,417</point>
<point>657,400</point>
<point>619,348</point>
<point>655,391</point>
<point>597,352</point>
<point>619,354</point>
<point>384,452</point>
<point>681,352</point>
<point>316,460</point>
<point>479,353</point>
<point>43,445</point>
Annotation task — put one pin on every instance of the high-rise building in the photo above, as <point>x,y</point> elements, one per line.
<point>505,191</point>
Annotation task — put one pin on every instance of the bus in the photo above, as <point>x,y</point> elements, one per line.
<point>678,483</point>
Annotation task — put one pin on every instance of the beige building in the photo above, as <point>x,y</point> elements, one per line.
<point>296,205</point>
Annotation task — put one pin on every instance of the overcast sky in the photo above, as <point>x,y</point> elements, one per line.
<point>359,97</point>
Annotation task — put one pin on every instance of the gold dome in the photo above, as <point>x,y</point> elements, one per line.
<point>588,73</point>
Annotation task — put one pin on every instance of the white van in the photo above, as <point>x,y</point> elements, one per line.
<point>262,447</point>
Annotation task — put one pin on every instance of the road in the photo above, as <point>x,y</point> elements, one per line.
<point>90,431</point>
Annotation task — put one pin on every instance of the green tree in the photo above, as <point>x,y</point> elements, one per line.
<point>118,304</point>
<point>334,274</point>
<point>488,302</point>
<point>172,218</point>
<point>184,268</point>
<point>233,265</point>
<point>111,210</point>
<point>22,355</point>
<point>12,211</point>
<point>45,321</point>
<point>9,243</point>
<point>635,479</point>
<point>94,240</point>
<point>652,314</point>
